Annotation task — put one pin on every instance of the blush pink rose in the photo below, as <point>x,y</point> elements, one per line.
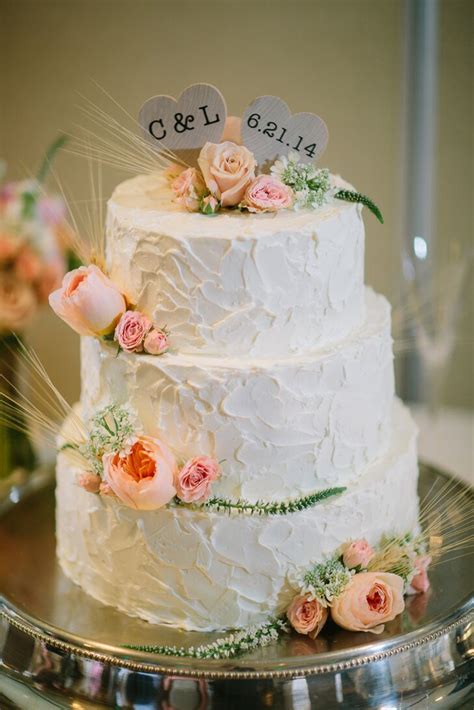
<point>357,554</point>
<point>370,600</point>
<point>142,476</point>
<point>420,582</point>
<point>18,303</point>
<point>267,194</point>
<point>195,479</point>
<point>156,342</point>
<point>232,130</point>
<point>306,615</point>
<point>90,482</point>
<point>227,169</point>
<point>88,301</point>
<point>189,188</point>
<point>131,331</point>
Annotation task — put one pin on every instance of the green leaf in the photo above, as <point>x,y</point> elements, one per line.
<point>352,196</point>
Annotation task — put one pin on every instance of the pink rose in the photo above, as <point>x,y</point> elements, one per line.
<point>18,303</point>
<point>267,194</point>
<point>420,582</point>
<point>88,301</point>
<point>156,342</point>
<point>131,331</point>
<point>142,476</point>
<point>89,481</point>
<point>227,169</point>
<point>357,554</point>
<point>306,615</point>
<point>195,478</point>
<point>52,210</point>
<point>189,188</point>
<point>232,130</point>
<point>370,600</point>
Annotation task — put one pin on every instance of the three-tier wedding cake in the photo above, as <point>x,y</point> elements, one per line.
<point>240,403</point>
<point>281,368</point>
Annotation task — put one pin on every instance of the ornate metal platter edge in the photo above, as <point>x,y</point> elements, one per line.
<point>443,644</point>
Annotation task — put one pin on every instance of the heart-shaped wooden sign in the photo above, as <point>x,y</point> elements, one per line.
<point>196,117</point>
<point>269,130</point>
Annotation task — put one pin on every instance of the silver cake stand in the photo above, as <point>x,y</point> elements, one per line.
<point>60,648</point>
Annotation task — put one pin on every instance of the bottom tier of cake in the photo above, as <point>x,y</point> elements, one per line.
<point>202,570</point>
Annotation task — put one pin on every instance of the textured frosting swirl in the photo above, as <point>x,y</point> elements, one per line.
<point>284,426</point>
<point>238,283</point>
<point>204,570</point>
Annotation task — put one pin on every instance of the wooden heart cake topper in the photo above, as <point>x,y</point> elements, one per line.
<point>196,117</point>
<point>269,130</point>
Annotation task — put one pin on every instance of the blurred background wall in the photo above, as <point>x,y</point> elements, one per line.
<point>343,59</point>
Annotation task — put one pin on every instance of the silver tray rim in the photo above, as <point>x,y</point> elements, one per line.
<point>301,666</point>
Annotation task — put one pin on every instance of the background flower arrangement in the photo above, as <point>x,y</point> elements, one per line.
<point>34,254</point>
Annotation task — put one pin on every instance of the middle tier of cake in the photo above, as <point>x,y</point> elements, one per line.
<point>281,427</point>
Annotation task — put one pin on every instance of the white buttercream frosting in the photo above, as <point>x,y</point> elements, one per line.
<point>203,570</point>
<point>282,426</point>
<point>238,283</point>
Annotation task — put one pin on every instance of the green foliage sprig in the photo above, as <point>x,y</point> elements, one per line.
<point>228,647</point>
<point>352,196</point>
<point>261,507</point>
<point>326,580</point>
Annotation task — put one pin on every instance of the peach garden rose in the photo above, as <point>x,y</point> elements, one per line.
<point>306,615</point>
<point>142,476</point>
<point>370,600</point>
<point>227,169</point>
<point>88,301</point>
<point>267,194</point>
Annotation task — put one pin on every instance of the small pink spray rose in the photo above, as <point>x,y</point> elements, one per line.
<point>195,479</point>
<point>357,554</point>
<point>306,615</point>
<point>131,331</point>
<point>420,582</point>
<point>89,481</point>
<point>267,194</point>
<point>189,188</point>
<point>156,342</point>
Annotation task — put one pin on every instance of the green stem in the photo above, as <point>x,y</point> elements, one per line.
<point>352,196</point>
<point>268,507</point>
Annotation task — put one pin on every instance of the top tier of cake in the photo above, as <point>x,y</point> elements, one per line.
<point>238,284</point>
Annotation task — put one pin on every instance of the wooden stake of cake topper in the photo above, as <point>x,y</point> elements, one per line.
<point>269,130</point>
<point>185,125</point>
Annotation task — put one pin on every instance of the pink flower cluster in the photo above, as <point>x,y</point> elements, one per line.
<point>91,304</point>
<point>146,476</point>
<point>226,178</point>
<point>135,333</point>
<point>371,599</point>
<point>32,252</point>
